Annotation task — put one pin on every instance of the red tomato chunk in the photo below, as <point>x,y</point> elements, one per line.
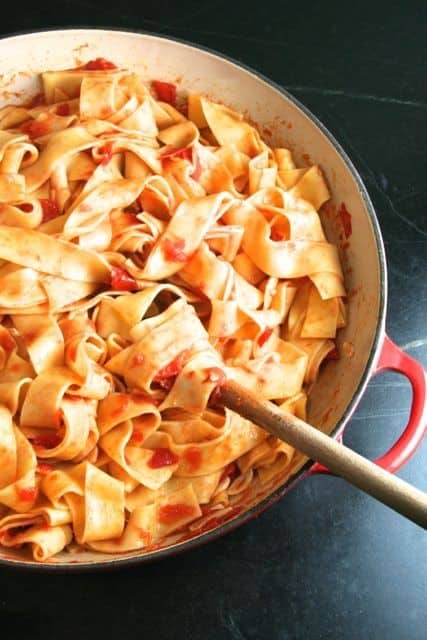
<point>264,336</point>
<point>50,209</point>
<point>36,128</point>
<point>174,367</point>
<point>27,494</point>
<point>121,280</point>
<point>166,91</point>
<point>98,64</point>
<point>162,457</point>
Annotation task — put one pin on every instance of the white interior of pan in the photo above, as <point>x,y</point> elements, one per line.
<point>22,57</point>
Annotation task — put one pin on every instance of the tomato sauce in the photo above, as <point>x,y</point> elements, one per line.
<point>36,128</point>
<point>162,457</point>
<point>43,468</point>
<point>137,360</point>
<point>27,494</point>
<point>264,336</point>
<point>166,91</point>
<point>98,64</point>
<point>48,441</point>
<point>345,220</point>
<point>174,367</point>
<point>7,342</point>
<point>169,514</point>
<point>50,209</point>
<point>63,109</point>
<point>193,458</point>
<point>107,153</point>
<point>174,250</point>
<point>121,280</point>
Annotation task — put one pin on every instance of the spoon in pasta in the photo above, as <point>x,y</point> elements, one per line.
<point>359,471</point>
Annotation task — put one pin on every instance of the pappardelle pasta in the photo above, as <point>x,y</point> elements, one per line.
<point>151,246</point>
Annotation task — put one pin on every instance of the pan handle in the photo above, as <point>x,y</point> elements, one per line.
<point>394,359</point>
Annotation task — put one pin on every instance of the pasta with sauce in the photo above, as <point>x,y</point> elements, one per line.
<point>150,247</point>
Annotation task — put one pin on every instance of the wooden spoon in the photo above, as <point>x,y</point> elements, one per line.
<point>362,473</point>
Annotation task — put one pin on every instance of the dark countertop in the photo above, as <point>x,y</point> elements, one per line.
<point>325,561</point>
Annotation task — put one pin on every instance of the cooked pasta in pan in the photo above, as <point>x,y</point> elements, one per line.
<point>151,246</point>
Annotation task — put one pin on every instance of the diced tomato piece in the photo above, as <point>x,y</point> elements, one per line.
<point>166,91</point>
<point>137,437</point>
<point>174,367</point>
<point>174,250</point>
<point>50,209</point>
<point>98,64</point>
<point>264,336</point>
<point>170,513</point>
<point>107,152</point>
<point>27,494</point>
<point>37,128</point>
<point>63,109</point>
<point>121,280</point>
<point>162,457</point>
<point>345,220</point>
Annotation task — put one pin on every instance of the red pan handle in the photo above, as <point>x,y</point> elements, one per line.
<point>394,359</point>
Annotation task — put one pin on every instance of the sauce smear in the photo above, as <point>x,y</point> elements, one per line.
<point>345,220</point>
<point>172,513</point>
<point>193,457</point>
<point>107,153</point>
<point>36,128</point>
<point>174,250</point>
<point>43,468</point>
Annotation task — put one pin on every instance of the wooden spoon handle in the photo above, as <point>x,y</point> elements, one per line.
<point>362,473</point>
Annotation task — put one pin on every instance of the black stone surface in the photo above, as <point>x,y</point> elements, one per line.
<point>326,561</point>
